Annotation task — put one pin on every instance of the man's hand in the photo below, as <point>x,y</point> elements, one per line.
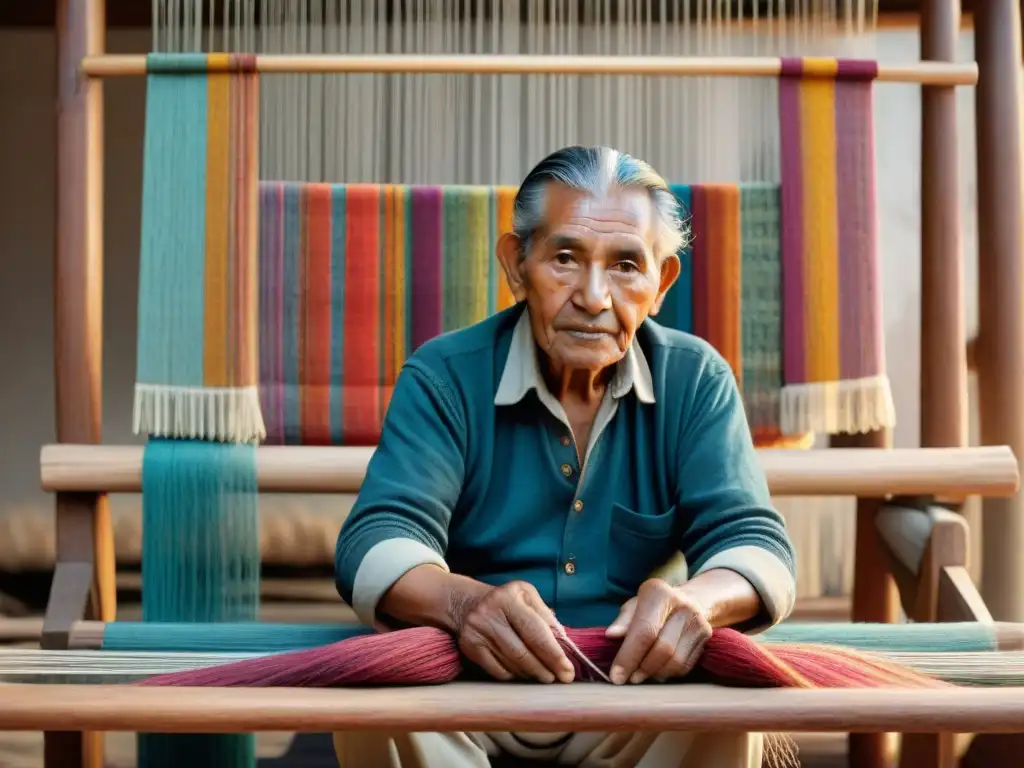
<point>508,632</point>
<point>665,631</point>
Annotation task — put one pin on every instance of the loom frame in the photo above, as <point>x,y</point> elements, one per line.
<point>83,584</point>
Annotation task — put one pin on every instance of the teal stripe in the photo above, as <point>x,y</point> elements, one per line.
<point>172,295</point>
<point>338,241</point>
<point>178,63</point>
<point>676,311</point>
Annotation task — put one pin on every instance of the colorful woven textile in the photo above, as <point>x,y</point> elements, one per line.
<point>834,365</point>
<point>355,277</point>
<point>346,293</point>
<point>197,341</point>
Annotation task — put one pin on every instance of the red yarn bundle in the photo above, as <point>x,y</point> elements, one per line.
<point>424,656</point>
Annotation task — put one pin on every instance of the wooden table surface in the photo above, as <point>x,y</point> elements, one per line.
<point>503,706</point>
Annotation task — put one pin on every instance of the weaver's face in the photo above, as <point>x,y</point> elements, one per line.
<point>591,276</point>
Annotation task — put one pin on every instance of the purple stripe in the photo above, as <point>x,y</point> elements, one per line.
<point>860,327</point>
<point>856,69</point>
<point>792,235</point>
<point>427,279</point>
<point>271,271</point>
<point>792,66</point>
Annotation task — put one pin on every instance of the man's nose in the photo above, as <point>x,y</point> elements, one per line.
<point>593,295</point>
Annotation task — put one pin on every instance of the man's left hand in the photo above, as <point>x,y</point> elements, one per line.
<point>665,631</point>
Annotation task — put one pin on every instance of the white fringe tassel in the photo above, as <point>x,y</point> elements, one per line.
<point>226,414</point>
<point>853,406</point>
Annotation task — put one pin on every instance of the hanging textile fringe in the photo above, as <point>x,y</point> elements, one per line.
<point>834,359</point>
<point>353,278</point>
<point>197,340</point>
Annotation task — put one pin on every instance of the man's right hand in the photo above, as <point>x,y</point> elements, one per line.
<point>508,632</point>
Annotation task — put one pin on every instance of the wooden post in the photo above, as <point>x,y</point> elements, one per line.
<point>943,352</point>
<point>83,582</point>
<point>1000,347</point>
<point>874,592</point>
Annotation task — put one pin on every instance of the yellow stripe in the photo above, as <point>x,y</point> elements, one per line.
<point>218,218</point>
<point>821,233</point>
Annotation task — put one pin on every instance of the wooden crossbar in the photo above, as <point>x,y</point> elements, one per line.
<point>507,707</point>
<point>943,472</point>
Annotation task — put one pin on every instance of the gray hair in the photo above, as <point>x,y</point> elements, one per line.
<point>596,170</point>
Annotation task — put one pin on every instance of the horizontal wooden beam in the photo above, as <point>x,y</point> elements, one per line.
<point>943,472</point>
<point>922,73</point>
<point>507,707</point>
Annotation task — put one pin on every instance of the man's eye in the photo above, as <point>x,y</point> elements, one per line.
<point>563,257</point>
<point>627,266</point>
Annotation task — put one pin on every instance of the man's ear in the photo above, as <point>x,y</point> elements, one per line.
<point>670,268</point>
<point>509,252</point>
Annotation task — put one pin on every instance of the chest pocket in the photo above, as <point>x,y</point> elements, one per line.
<point>637,546</point>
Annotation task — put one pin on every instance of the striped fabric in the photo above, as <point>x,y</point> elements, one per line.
<point>834,365</point>
<point>346,294</point>
<point>197,368</point>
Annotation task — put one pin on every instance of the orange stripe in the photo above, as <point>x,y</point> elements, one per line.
<point>316,421</point>
<point>723,264</point>
<point>388,330</point>
<point>506,199</point>
<point>361,408</point>
<point>218,215</point>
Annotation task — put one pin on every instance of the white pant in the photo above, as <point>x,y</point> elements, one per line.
<point>374,749</point>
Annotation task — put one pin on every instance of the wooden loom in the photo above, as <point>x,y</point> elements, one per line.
<point>941,588</point>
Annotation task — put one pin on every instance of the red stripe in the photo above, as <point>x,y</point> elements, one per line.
<point>361,401</point>
<point>316,351</point>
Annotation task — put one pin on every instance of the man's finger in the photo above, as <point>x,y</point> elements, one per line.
<point>537,635</point>
<point>643,631</point>
<point>618,627</point>
<point>518,657</point>
<point>688,652</point>
<point>663,650</point>
<point>482,656</point>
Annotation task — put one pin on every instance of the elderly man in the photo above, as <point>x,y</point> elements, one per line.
<point>545,462</point>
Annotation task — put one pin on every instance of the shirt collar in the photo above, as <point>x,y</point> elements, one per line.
<point>522,370</point>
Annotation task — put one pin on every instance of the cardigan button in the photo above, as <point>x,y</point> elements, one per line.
<point>577,505</point>
<point>565,440</point>
<point>570,568</point>
<point>566,470</point>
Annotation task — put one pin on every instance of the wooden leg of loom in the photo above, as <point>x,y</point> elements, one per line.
<point>874,593</point>
<point>83,581</point>
<point>921,595</point>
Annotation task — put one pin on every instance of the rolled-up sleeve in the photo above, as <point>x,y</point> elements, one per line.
<point>723,493</point>
<point>401,516</point>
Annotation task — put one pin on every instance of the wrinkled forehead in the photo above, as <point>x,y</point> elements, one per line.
<point>616,213</point>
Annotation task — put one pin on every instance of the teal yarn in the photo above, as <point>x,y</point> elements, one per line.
<point>909,638</point>
<point>200,564</point>
<point>251,637</point>
<point>200,532</point>
<point>275,638</point>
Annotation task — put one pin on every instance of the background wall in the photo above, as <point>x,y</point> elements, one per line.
<point>822,528</point>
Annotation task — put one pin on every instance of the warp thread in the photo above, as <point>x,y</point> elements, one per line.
<point>428,656</point>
